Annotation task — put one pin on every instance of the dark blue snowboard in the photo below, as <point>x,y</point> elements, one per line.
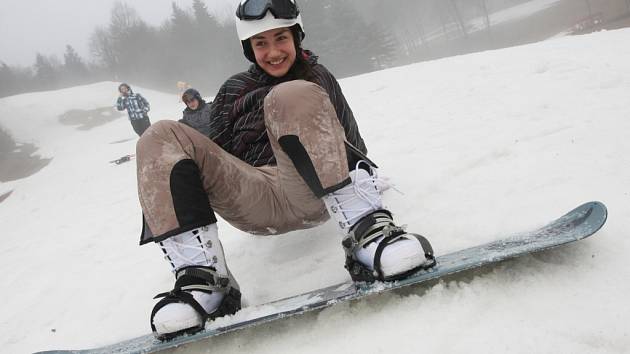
<point>579,223</point>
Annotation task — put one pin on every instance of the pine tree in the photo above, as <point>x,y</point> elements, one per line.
<point>181,37</point>
<point>338,33</point>
<point>7,77</point>
<point>204,20</point>
<point>210,55</point>
<point>46,72</point>
<point>74,69</point>
<point>15,80</point>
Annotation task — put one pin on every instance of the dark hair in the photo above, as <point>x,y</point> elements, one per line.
<point>124,84</point>
<point>301,69</point>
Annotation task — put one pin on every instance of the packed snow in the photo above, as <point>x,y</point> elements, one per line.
<point>481,146</point>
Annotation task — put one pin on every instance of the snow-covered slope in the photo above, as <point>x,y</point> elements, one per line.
<point>481,145</point>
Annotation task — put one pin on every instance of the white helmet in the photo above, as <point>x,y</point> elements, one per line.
<point>246,29</point>
<point>256,16</point>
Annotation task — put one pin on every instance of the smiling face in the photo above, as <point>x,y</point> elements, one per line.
<point>274,50</point>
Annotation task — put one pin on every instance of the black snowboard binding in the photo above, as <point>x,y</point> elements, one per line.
<point>204,279</point>
<point>368,230</point>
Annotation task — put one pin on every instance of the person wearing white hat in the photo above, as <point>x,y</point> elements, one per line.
<point>282,152</point>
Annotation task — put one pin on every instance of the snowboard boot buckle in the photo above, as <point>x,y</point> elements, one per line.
<point>370,228</point>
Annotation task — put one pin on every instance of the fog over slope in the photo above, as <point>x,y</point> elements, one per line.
<point>481,145</point>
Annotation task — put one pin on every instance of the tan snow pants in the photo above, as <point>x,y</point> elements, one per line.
<point>259,200</point>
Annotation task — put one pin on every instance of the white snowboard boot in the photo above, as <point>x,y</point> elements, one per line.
<point>376,249</point>
<point>204,287</point>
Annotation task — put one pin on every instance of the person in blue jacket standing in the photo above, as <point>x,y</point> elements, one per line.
<point>137,108</point>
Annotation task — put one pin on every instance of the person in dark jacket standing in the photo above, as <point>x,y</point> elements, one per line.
<point>197,112</point>
<point>285,153</point>
<point>137,108</point>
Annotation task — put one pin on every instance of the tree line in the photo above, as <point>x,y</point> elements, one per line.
<point>195,46</point>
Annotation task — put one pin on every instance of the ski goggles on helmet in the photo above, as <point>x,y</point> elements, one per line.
<point>257,9</point>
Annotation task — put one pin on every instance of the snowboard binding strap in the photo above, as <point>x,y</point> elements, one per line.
<point>368,230</point>
<point>198,278</point>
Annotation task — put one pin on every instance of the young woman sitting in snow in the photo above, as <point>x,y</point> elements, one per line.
<point>284,154</point>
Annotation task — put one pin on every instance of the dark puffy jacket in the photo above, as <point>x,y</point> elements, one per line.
<point>237,120</point>
<point>199,118</point>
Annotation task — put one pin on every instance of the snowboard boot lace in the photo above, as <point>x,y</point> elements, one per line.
<point>350,203</point>
<point>359,212</point>
<point>190,248</point>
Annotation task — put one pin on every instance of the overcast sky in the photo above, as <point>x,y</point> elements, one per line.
<point>46,26</point>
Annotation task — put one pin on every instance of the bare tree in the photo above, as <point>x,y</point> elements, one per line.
<point>123,17</point>
<point>106,43</point>
<point>102,49</point>
<point>484,7</point>
<point>590,10</point>
<point>458,18</point>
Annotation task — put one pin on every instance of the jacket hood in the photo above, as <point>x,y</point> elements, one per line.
<point>202,103</point>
